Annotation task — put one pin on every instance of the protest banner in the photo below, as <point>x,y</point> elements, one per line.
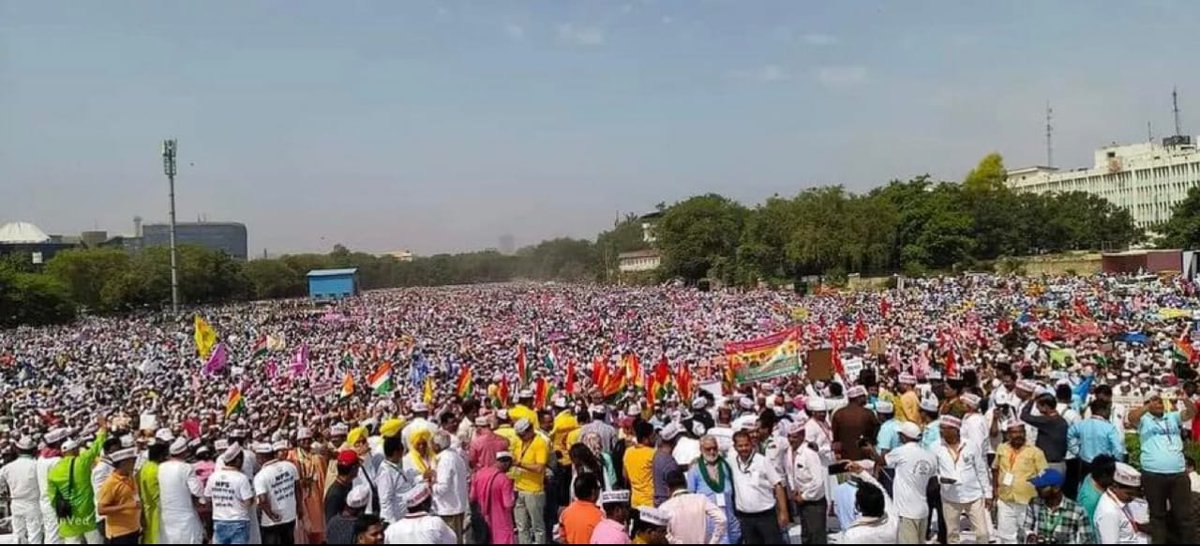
<point>764,358</point>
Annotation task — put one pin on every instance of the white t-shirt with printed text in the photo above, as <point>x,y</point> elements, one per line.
<point>277,480</point>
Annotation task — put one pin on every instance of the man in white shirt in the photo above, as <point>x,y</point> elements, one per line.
<point>19,479</point>
<point>420,421</point>
<point>178,486</point>
<point>392,481</point>
<point>876,523</point>
<point>760,500</point>
<point>975,432</point>
<point>48,459</point>
<point>914,467</point>
<point>104,467</point>
<point>965,480</point>
<point>450,487</point>
<point>419,526</point>
<point>232,496</point>
<point>275,486</point>
<point>1117,517</point>
<point>807,475</point>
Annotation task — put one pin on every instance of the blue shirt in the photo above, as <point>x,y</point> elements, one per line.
<point>1093,437</point>
<point>844,503</point>
<point>888,439</point>
<point>1089,497</point>
<point>1162,447</point>
<point>696,484</point>
<point>932,434</point>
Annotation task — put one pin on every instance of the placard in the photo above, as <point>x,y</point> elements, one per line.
<point>820,365</point>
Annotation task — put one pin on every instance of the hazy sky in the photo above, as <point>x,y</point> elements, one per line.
<point>439,126</point>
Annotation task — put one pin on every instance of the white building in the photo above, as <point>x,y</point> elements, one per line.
<point>1148,179</point>
<point>638,260</point>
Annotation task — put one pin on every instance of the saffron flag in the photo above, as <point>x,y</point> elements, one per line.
<point>522,365</point>
<point>381,379</point>
<point>502,394</point>
<point>206,337</point>
<point>599,372</point>
<point>614,384</point>
<point>235,403</point>
<point>543,392</point>
<point>216,362</point>
<point>633,370</point>
<point>347,387</point>
<point>465,386</point>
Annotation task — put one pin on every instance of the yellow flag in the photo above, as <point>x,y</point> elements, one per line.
<point>206,337</point>
<point>428,390</point>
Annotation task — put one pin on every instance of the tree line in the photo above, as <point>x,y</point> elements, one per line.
<point>915,226</point>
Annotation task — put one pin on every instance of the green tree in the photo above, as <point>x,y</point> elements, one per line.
<point>274,279</point>
<point>33,299</point>
<point>989,174</point>
<point>693,234</point>
<point>86,272</point>
<point>1183,229</point>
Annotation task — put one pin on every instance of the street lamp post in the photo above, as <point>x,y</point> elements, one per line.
<point>168,154</point>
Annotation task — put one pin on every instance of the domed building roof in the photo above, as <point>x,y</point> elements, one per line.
<point>22,233</point>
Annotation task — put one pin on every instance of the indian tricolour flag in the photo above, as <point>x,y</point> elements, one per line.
<point>464,386</point>
<point>347,386</point>
<point>381,379</point>
<point>260,347</point>
<point>551,359</point>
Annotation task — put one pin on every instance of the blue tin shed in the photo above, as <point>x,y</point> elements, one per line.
<point>332,284</point>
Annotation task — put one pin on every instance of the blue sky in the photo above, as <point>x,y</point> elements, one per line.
<point>439,126</point>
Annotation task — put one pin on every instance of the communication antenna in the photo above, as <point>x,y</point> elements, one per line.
<point>1149,132</point>
<point>1175,108</point>
<point>1049,135</point>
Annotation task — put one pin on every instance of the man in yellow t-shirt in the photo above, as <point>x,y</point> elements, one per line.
<point>639,466</point>
<point>523,409</point>
<point>1016,463</point>
<point>908,407</point>
<point>530,458</point>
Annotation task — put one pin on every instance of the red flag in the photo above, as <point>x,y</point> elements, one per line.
<point>662,371</point>
<point>683,383</point>
<point>1045,334</point>
<point>502,394</point>
<point>1002,327</point>
<point>522,365</point>
<point>570,387</point>
<point>633,370</point>
<point>950,363</point>
<point>599,372</point>
<point>860,331</point>
<point>884,307</point>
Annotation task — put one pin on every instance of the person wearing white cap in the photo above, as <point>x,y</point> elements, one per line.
<point>807,474</point>
<point>908,405</point>
<point>451,484</point>
<point>312,470</point>
<point>651,527</point>
<point>103,467</point>
<point>1120,516</point>
<point>975,429</point>
<point>232,497</point>
<point>888,437</point>
<point>599,425</point>
<point>340,528</point>
<point>1015,464</point>
<point>178,489</point>
<point>965,480</point>
<point>1164,469</point>
<point>914,466</point>
<point>531,455</point>
<point>419,526</point>
<point>817,431</point>
<point>759,494</point>
<point>71,479</point>
<point>19,479</point>
<point>46,460</point>
<point>663,462</point>
<point>492,491</point>
<point>117,500</point>
<point>523,408</point>
<point>275,487</point>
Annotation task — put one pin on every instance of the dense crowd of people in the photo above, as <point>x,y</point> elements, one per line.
<point>971,408</point>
